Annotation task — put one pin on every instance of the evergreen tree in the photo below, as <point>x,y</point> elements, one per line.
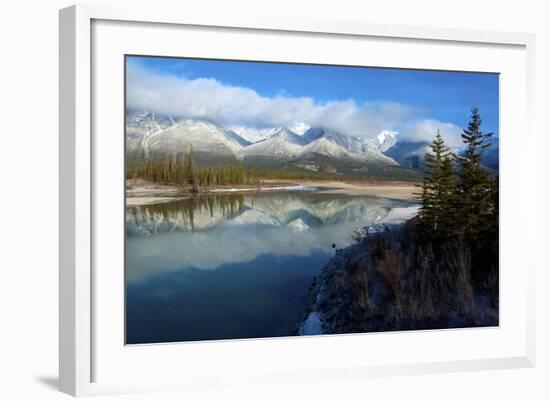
<point>474,188</point>
<point>437,192</point>
<point>190,174</point>
<point>476,202</point>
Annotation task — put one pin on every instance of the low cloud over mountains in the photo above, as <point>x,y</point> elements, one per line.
<point>235,106</point>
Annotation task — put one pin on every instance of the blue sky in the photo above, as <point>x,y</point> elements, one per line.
<point>411,95</point>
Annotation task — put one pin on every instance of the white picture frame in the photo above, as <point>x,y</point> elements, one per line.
<point>78,217</point>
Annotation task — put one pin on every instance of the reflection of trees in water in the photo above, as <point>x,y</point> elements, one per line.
<point>185,211</point>
<point>302,208</point>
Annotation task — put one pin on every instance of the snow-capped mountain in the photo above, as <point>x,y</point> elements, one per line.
<point>386,139</point>
<point>316,149</point>
<point>327,147</point>
<point>204,136</point>
<point>408,154</point>
<point>151,134</point>
<point>412,154</point>
<point>254,135</point>
<point>141,125</point>
<point>357,148</point>
<point>283,144</point>
<point>299,128</point>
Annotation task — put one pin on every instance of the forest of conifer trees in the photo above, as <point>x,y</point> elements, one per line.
<point>182,170</point>
<point>459,199</point>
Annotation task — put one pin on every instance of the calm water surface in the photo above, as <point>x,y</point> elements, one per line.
<point>234,266</point>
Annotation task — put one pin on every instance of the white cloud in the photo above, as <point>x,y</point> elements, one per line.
<point>239,106</point>
<point>426,129</point>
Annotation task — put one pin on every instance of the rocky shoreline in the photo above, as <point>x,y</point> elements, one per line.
<point>330,309</point>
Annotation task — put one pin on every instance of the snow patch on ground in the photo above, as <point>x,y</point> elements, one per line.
<point>150,190</point>
<point>287,188</point>
<point>232,189</point>
<point>394,217</point>
<point>291,188</point>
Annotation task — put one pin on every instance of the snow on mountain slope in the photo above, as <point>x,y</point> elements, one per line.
<point>237,138</point>
<point>356,148</point>
<point>141,125</point>
<point>371,153</point>
<point>386,139</point>
<point>299,128</point>
<point>283,144</point>
<point>254,135</point>
<point>412,154</point>
<point>149,133</point>
<point>203,136</point>
<point>327,147</point>
<point>408,154</point>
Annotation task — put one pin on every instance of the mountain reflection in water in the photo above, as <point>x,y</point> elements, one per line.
<point>235,265</point>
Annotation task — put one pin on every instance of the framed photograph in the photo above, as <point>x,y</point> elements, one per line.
<point>266,200</point>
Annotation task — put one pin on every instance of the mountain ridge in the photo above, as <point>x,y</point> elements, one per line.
<point>151,134</point>
<point>315,148</point>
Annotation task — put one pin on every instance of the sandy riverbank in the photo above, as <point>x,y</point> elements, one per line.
<point>141,193</point>
<point>393,190</point>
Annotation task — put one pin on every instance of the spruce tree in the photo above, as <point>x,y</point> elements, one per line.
<point>191,178</point>
<point>437,191</point>
<point>474,188</point>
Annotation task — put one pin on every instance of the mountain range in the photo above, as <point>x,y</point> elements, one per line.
<point>300,147</point>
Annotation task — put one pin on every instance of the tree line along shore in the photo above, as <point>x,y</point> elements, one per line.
<point>182,169</point>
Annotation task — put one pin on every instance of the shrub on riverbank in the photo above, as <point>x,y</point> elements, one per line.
<point>388,281</point>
